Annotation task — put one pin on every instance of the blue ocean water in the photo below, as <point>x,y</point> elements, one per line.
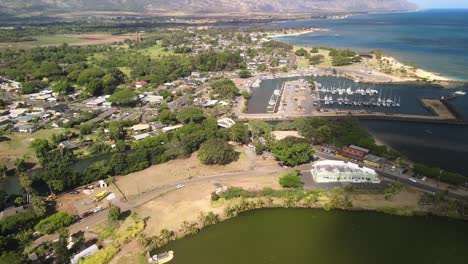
<point>436,40</point>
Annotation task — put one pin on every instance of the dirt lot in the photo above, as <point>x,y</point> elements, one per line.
<point>177,170</point>
<point>70,39</point>
<point>186,204</point>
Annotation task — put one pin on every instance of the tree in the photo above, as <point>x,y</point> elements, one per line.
<point>225,89</point>
<point>244,74</point>
<point>42,148</point>
<point>62,254</point>
<point>55,185</point>
<point>38,205</point>
<point>123,97</point>
<point>191,115</point>
<point>301,52</point>
<point>63,87</point>
<point>316,59</point>
<point>116,131</point>
<point>239,132</point>
<point>95,87</point>
<point>291,180</point>
<point>114,213</point>
<point>167,117</point>
<point>33,87</point>
<point>25,183</point>
<point>20,165</point>
<point>217,151</point>
<point>292,151</point>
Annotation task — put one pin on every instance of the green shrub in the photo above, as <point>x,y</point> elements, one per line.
<point>54,222</point>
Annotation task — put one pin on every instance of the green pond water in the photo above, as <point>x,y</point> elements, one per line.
<point>315,236</point>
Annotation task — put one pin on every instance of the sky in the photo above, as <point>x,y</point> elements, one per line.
<point>441,3</point>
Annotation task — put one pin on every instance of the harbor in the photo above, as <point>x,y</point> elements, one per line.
<point>336,97</point>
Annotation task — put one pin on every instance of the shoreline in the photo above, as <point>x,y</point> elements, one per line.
<point>294,34</point>
<point>253,205</point>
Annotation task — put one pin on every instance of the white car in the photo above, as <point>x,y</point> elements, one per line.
<point>97,209</point>
<point>424,178</point>
<point>179,186</point>
<point>413,180</point>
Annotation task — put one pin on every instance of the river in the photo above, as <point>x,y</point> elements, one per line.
<point>316,236</point>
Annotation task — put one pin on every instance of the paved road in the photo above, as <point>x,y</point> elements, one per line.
<point>101,216</point>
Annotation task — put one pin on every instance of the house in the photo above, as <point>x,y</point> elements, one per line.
<point>226,122</point>
<point>353,152</point>
<point>141,136</point>
<point>67,145</point>
<point>140,128</point>
<point>17,112</point>
<point>85,253</point>
<point>10,211</point>
<point>23,128</point>
<point>24,119</point>
<point>140,84</point>
<point>95,102</point>
<point>153,99</point>
<point>170,128</point>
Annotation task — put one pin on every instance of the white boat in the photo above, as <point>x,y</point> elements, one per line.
<point>459,93</point>
<point>277,92</point>
<point>162,258</point>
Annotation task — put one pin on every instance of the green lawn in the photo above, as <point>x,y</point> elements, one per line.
<point>55,39</point>
<point>156,51</point>
<point>18,143</point>
<point>125,70</point>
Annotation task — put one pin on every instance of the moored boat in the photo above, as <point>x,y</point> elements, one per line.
<point>162,258</point>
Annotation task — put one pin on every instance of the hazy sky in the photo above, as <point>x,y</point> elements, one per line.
<point>441,3</point>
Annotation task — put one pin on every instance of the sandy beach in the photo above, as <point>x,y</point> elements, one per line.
<point>297,33</point>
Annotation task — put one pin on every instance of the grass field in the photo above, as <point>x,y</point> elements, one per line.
<point>18,144</point>
<point>302,62</point>
<point>157,51</point>
<point>55,39</point>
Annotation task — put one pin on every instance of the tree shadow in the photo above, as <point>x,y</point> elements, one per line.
<point>4,139</point>
<point>125,214</point>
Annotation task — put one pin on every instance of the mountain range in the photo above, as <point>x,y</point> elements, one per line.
<point>204,6</point>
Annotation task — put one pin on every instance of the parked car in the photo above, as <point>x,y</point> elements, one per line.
<point>97,209</point>
<point>86,214</point>
<point>413,180</point>
<point>393,168</point>
<point>424,178</point>
<point>73,192</point>
<point>179,186</point>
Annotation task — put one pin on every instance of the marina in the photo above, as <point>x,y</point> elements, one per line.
<point>291,97</point>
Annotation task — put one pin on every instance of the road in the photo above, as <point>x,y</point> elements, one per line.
<point>101,216</point>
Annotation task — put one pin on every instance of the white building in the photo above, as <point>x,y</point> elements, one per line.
<point>342,171</point>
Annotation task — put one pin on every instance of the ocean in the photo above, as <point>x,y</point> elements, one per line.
<point>434,40</point>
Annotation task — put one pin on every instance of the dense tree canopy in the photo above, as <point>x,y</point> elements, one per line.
<point>225,89</point>
<point>217,152</point>
<point>292,151</point>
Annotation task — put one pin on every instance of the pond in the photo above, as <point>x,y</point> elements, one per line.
<point>317,236</point>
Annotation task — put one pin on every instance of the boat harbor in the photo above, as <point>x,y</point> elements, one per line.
<point>332,97</point>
